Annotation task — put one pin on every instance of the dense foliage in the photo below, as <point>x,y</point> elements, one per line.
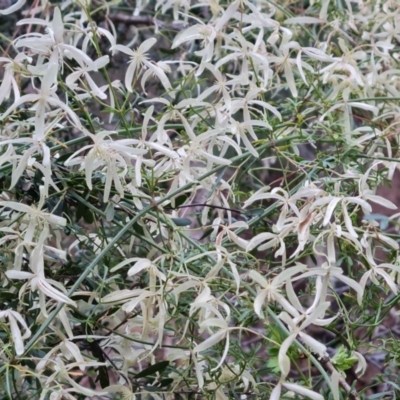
<point>187,193</point>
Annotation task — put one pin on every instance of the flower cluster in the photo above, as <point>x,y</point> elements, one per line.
<point>135,215</point>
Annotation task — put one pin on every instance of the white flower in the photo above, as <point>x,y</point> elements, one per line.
<point>13,318</point>
<point>9,83</point>
<point>223,256</point>
<point>250,55</point>
<point>296,326</point>
<point>46,97</point>
<point>324,274</point>
<point>285,62</point>
<point>221,334</point>
<point>269,240</point>
<point>36,279</point>
<point>348,62</point>
<point>140,265</point>
<point>52,43</point>
<point>139,59</point>
<point>114,155</point>
<point>271,289</point>
<point>378,270</point>
<point>84,71</point>
<point>206,33</point>
<point>229,232</point>
<point>248,104</point>
<point>35,146</point>
<point>68,349</point>
<point>219,86</point>
<point>333,201</point>
<point>288,203</point>
<point>150,143</point>
<point>37,217</point>
<point>175,112</point>
<point>62,373</point>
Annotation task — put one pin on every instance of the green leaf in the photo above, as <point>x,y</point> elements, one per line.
<point>180,200</point>
<point>103,377</point>
<point>159,367</point>
<point>86,213</point>
<point>314,260</point>
<point>273,365</point>
<point>181,221</point>
<point>343,360</point>
<point>168,51</point>
<point>206,233</point>
<point>165,382</point>
<point>255,212</point>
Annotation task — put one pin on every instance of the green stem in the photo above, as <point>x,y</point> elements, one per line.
<point>103,214</point>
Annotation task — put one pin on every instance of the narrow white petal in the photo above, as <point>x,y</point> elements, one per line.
<point>227,15</point>
<point>16,335</point>
<point>365,206</point>
<point>16,206</point>
<point>123,49</point>
<point>292,296</point>
<point>12,274</point>
<point>276,393</point>
<point>362,364</point>
<point>259,302</point>
<point>288,273</point>
<point>303,391</point>
<point>364,106</point>
<point>352,283</point>
<point>313,343</point>
<point>257,277</point>
<point>147,44</point>
<point>330,209</point>
<point>209,342</point>
<point>380,200</point>
<point>283,359</point>
<point>139,266</point>
<point>335,385</point>
<point>260,238</point>
<point>347,222</point>
<point>224,354</point>
<point>49,291</point>
<point>388,279</point>
<point>121,295</point>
